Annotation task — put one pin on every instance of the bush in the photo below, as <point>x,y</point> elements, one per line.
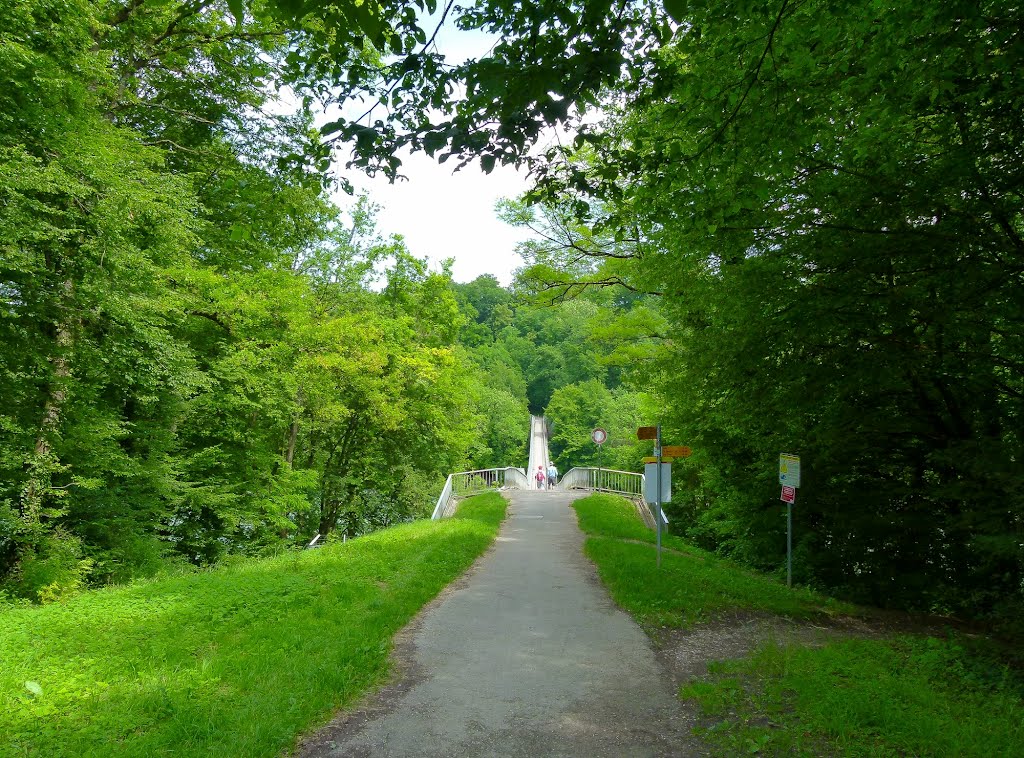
<point>54,570</point>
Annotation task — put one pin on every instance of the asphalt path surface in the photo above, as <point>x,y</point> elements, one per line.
<point>526,655</point>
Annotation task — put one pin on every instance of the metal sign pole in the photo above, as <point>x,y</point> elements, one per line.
<point>599,437</point>
<point>789,478</point>
<point>789,544</point>
<point>657,452</point>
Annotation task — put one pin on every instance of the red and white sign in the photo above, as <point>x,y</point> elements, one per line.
<point>788,495</point>
<point>599,435</point>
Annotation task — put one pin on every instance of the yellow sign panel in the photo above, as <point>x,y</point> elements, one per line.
<point>647,433</point>
<point>677,451</point>
<point>789,470</point>
<point>652,459</point>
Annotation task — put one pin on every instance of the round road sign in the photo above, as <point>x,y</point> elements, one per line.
<point>599,436</point>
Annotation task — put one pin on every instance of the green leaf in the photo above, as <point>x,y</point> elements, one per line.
<point>434,141</point>
<point>34,688</point>
<point>370,25</point>
<point>676,9</point>
<point>237,8</point>
<point>333,127</point>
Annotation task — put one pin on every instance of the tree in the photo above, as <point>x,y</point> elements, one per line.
<point>93,231</point>
<point>550,58</point>
<point>831,198</point>
<point>577,409</point>
<point>177,296</point>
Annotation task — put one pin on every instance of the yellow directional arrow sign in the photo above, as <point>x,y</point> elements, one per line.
<point>677,451</point>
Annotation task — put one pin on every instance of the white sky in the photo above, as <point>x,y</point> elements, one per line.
<point>442,214</point>
<point>445,215</point>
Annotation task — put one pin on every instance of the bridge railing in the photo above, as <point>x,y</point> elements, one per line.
<point>626,483</point>
<point>466,483</point>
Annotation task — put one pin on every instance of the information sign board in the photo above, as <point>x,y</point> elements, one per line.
<point>789,470</point>
<point>788,495</point>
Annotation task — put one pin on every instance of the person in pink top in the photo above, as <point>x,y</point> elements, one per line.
<point>540,477</point>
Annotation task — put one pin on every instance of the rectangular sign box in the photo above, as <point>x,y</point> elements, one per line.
<point>647,433</point>
<point>651,482</point>
<point>788,495</point>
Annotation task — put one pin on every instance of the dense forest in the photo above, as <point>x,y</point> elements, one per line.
<point>200,354</point>
<point>774,227</point>
<point>825,199</point>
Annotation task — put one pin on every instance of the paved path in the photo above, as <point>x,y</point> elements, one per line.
<point>539,455</point>
<point>525,656</point>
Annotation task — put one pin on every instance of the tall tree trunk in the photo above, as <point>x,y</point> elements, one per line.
<point>41,464</point>
<point>293,433</point>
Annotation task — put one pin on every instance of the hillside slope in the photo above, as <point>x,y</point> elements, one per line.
<point>230,662</point>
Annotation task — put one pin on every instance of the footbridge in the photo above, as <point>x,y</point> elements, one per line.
<point>465,483</point>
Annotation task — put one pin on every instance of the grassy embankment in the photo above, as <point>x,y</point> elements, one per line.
<point>235,661</point>
<point>899,695</point>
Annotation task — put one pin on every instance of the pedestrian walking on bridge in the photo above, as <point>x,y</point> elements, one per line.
<point>539,476</point>
<point>552,475</point>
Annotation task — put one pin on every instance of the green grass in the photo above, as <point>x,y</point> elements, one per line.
<point>232,662</point>
<point>853,697</point>
<point>857,697</point>
<point>611,516</point>
<point>691,585</point>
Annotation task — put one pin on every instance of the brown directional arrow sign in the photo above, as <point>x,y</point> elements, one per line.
<point>647,433</point>
<point>676,451</point>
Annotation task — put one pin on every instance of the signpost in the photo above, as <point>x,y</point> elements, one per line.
<point>599,436</point>
<point>662,478</point>
<point>658,473</point>
<point>789,470</point>
<point>789,478</point>
<point>658,517</point>
<point>651,478</point>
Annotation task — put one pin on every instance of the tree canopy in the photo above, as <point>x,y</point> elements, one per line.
<point>828,198</point>
<point>200,354</point>
<point>799,222</point>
